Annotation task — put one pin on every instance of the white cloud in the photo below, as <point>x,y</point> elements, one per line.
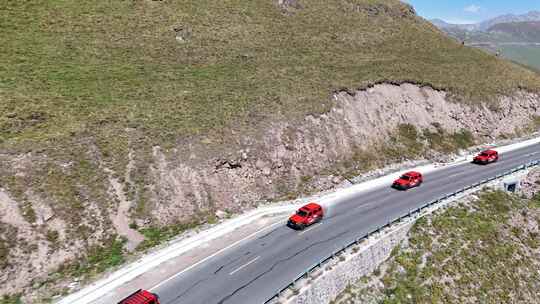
<point>459,21</point>
<point>473,8</point>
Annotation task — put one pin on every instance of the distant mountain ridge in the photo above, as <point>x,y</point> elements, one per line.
<point>520,31</point>
<point>530,16</point>
<point>515,37</point>
<point>485,25</point>
<point>446,25</point>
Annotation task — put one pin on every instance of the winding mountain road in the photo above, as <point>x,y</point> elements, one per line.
<point>254,270</point>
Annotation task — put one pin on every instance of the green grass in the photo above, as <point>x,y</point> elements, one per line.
<point>86,266</point>
<point>4,253</point>
<point>8,241</point>
<point>471,253</point>
<point>96,260</point>
<point>441,140</point>
<point>157,235</point>
<point>10,299</point>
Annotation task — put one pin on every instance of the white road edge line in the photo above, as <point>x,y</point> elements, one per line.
<point>310,228</point>
<point>213,255</point>
<point>244,266</point>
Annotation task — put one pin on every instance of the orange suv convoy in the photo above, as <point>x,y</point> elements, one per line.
<point>141,297</point>
<point>486,157</point>
<point>305,216</point>
<point>408,180</point>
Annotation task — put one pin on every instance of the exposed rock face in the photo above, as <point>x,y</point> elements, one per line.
<point>289,5</point>
<point>290,151</point>
<point>379,9</point>
<point>530,186</point>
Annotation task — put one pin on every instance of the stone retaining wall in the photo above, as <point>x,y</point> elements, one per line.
<point>326,284</point>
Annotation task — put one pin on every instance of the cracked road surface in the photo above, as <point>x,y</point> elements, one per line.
<point>254,270</point>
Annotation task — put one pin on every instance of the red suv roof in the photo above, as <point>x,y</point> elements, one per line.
<point>311,206</point>
<point>412,173</point>
<point>140,297</point>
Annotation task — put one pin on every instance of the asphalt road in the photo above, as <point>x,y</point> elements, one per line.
<point>253,271</point>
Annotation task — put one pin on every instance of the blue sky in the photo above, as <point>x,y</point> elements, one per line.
<point>471,11</point>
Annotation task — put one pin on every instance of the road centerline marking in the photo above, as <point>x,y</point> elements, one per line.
<point>212,256</point>
<point>454,175</point>
<point>245,265</point>
<point>309,229</point>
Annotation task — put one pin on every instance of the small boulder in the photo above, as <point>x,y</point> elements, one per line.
<point>259,164</point>
<point>183,34</point>
<point>73,285</point>
<point>244,156</point>
<point>220,214</point>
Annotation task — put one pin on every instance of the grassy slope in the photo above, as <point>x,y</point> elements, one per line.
<point>484,252</point>
<point>71,69</point>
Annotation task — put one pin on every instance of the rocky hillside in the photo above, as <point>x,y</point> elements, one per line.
<point>123,123</point>
<point>486,249</point>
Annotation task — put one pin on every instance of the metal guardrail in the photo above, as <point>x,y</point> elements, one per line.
<point>399,219</point>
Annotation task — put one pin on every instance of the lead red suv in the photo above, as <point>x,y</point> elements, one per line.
<point>408,180</point>
<point>486,157</point>
<point>141,297</point>
<point>305,216</point>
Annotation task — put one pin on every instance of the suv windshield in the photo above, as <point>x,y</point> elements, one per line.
<point>405,177</point>
<point>301,213</point>
<point>484,154</point>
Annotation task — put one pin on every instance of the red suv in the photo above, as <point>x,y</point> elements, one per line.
<point>408,180</point>
<point>141,297</point>
<point>305,216</point>
<point>486,157</point>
